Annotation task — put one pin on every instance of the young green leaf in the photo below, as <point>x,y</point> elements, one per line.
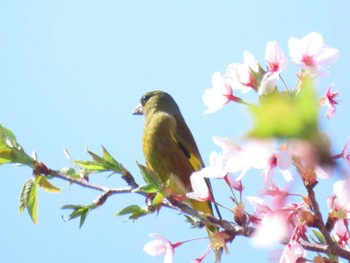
<point>22,198</point>
<point>7,138</point>
<point>158,199</point>
<point>78,211</point>
<point>283,116</point>
<point>6,156</point>
<point>147,188</point>
<point>319,236</point>
<point>29,199</point>
<point>46,185</point>
<point>69,171</point>
<point>151,178</point>
<point>134,212</point>
<point>109,158</point>
<point>91,166</point>
<point>107,161</point>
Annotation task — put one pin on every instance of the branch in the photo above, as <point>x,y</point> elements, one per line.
<point>228,226</point>
<point>330,247</point>
<point>319,220</point>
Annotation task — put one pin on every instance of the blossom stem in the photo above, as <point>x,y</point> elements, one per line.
<point>337,156</point>
<point>284,83</point>
<point>231,189</point>
<point>224,207</point>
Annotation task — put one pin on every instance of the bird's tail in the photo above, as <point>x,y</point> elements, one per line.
<point>212,230</point>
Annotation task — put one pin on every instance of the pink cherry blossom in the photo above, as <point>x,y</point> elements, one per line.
<point>345,152</point>
<point>341,232</point>
<point>234,158</point>
<point>203,256</point>
<point>329,99</point>
<point>271,230</point>
<point>275,224</point>
<point>340,200</point>
<point>281,160</point>
<point>200,188</point>
<point>276,63</point>
<point>219,95</point>
<point>259,205</point>
<point>278,223</point>
<point>241,76</point>
<point>221,164</point>
<point>292,252</point>
<point>312,54</point>
<point>256,154</point>
<point>160,246</point>
<point>261,155</point>
<point>231,180</point>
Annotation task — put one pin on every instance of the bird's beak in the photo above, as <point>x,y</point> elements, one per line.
<point>138,110</point>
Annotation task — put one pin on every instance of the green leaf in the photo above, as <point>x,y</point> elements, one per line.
<point>134,212</point>
<point>69,171</point>
<point>107,161</point>
<point>6,156</point>
<point>91,166</point>
<point>32,201</point>
<point>46,185</point>
<point>29,199</point>
<point>83,217</point>
<point>109,158</point>
<point>7,138</point>
<point>10,151</point>
<point>319,236</point>
<point>147,188</point>
<point>282,115</point>
<point>151,178</point>
<point>158,199</point>
<point>78,211</point>
<point>22,198</point>
<point>98,164</point>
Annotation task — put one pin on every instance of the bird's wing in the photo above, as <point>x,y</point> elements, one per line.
<point>188,146</point>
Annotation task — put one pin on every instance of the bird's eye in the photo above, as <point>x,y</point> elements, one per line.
<point>144,99</point>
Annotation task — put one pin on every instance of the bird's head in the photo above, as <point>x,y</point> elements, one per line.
<point>155,101</point>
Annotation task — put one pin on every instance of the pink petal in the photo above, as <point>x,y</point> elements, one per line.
<point>272,230</point>
<point>200,188</point>
<point>313,43</point>
<point>219,95</point>
<point>328,57</point>
<point>250,61</point>
<point>155,248</point>
<point>259,205</point>
<point>268,82</point>
<point>292,252</point>
<point>345,152</point>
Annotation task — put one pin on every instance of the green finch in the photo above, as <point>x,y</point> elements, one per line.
<point>170,149</point>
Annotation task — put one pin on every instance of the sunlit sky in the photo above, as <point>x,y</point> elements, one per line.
<point>71,73</point>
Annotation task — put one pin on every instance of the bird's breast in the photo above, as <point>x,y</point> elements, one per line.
<point>163,154</point>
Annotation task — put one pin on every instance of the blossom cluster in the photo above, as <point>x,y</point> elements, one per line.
<point>310,53</point>
<point>279,221</point>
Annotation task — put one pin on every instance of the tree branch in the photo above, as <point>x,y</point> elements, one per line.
<point>331,247</point>
<point>229,227</point>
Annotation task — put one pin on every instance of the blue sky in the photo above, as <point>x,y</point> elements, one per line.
<point>71,73</point>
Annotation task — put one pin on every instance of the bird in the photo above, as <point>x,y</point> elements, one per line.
<point>170,150</point>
